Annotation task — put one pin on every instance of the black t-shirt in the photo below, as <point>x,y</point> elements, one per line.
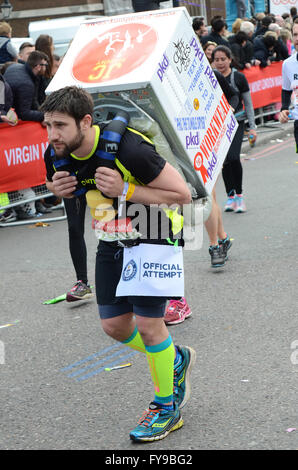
<point>141,161</point>
<point>138,156</point>
<point>241,84</point>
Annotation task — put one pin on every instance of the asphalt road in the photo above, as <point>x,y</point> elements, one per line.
<point>54,391</point>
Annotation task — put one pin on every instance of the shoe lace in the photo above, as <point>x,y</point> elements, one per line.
<point>76,286</point>
<point>172,307</point>
<point>148,416</point>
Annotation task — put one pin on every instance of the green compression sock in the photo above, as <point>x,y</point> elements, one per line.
<point>161,362</point>
<point>135,341</point>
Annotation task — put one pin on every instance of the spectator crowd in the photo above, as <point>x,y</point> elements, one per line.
<point>24,77</point>
<point>259,40</point>
<point>25,74</point>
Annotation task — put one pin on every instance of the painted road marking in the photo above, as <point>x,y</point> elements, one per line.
<point>90,362</point>
<point>271,150</point>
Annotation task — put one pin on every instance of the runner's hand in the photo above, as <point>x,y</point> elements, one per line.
<point>284,116</point>
<point>254,134</point>
<point>109,181</point>
<point>64,184</point>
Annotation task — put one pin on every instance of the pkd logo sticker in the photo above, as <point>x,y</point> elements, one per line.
<point>198,165</point>
<point>129,271</point>
<point>196,104</point>
<point>114,53</point>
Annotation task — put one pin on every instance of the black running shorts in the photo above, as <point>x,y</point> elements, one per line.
<point>109,260</point>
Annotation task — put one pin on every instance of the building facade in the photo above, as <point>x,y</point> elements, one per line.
<point>25,11</point>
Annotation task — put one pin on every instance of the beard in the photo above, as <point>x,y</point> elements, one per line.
<point>70,147</point>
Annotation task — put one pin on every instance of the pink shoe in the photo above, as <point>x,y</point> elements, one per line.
<point>240,205</point>
<point>177,311</point>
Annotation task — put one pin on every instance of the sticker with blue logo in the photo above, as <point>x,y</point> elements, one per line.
<point>130,271</point>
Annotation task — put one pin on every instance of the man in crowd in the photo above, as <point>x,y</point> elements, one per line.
<point>217,34</point>
<point>280,48</point>
<point>264,49</point>
<point>25,50</point>
<point>23,80</point>
<point>199,27</point>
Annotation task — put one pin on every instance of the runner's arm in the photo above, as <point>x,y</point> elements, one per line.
<point>167,188</point>
<point>285,99</point>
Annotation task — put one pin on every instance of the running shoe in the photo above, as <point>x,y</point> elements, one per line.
<point>239,204</point>
<point>218,257</point>
<point>230,205</point>
<point>182,372</point>
<point>225,245</point>
<point>156,423</point>
<point>177,311</point>
<point>9,215</point>
<point>80,291</point>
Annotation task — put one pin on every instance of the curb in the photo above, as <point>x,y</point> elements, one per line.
<point>267,133</point>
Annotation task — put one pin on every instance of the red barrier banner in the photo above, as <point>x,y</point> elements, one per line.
<point>265,84</point>
<point>21,155</point>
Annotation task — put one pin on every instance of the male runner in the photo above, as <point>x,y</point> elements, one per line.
<point>290,85</point>
<point>141,176</point>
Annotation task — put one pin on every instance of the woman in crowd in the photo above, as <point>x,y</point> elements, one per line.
<point>208,48</point>
<point>232,169</point>
<point>44,43</point>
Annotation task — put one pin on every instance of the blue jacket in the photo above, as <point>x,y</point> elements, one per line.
<point>24,85</point>
<point>261,52</point>
<point>8,52</point>
<point>6,98</point>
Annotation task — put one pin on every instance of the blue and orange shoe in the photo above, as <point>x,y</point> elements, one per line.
<point>182,372</point>
<point>156,423</point>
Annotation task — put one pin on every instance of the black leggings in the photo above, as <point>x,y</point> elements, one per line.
<point>75,211</point>
<point>232,168</point>
<point>232,176</point>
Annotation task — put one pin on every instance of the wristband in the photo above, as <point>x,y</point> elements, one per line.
<point>130,191</point>
<point>124,192</point>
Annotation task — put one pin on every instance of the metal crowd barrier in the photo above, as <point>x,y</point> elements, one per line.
<point>41,192</point>
<point>262,124</point>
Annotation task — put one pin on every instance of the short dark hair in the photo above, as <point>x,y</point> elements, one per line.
<point>269,41</point>
<point>35,57</point>
<point>266,21</point>
<point>71,100</point>
<point>240,37</point>
<point>293,11</point>
<point>197,24</point>
<point>215,18</point>
<point>217,25</point>
<point>25,44</point>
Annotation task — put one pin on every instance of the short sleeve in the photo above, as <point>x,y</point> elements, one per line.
<point>140,158</point>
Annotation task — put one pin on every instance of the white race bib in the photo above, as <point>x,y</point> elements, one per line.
<point>152,270</point>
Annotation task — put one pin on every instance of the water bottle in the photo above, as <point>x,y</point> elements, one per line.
<point>251,140</point>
